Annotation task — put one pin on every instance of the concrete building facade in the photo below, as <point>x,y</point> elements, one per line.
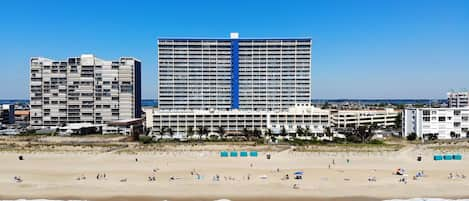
<point>356,118</point>
<point>234,121</point>
<point>7,114</point>
<point>84,89</point>
<point>458,99</point>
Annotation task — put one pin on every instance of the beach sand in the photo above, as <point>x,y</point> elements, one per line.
<point>53,175</point>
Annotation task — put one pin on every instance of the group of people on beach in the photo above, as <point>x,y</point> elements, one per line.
<point>152,177</point>
<point>456,175</point>
<point>419,175</point>
<point>82,177</point>
<point>17,179</point>
<point>101,176</point>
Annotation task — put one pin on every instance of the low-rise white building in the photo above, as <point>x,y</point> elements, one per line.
<point>445,123</point>
<point>234,121</point>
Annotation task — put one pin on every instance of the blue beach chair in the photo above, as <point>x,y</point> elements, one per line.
<point>253,154</point>
<point>243,154</point>
<point>234,154</point>
<point>448,157</point>
<point>224,154</point>
<point>457,157</point>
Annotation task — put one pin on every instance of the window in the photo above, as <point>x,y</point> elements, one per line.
<point>441,119</point>
<point>427,119</point>
<point>426,112</point>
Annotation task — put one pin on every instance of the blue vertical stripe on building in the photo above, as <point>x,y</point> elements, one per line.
<point>234,74</point>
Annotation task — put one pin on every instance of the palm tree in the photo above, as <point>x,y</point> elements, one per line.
<point>170,132</point>
<point>190,132</point>
<point>167,130</point>
<point>205,130</point>
<point>247,133</point>
<point>200,131</point>
<point>327,132</point>
<point>163,130</point>
<point>283,132</point>
<point>299,132</point>
<point>307,132</point>
<point>221,132</point>
<point>268,132</point>
<point>257,133</point>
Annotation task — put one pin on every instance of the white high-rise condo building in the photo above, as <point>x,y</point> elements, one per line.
<point>458,99</point>
<point>235,84</point>
<point>84,89</point>
<point>270,74</point>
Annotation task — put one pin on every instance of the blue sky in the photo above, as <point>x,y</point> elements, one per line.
<point>361,49</point>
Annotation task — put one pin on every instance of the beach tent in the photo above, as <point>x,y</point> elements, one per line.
<point>457,157</point>
<point>234,154</point>
<point>253,153</point>
<point>243,154</point>
<point>448,157</point>
<point>224,154</point>
<point>437,157</point>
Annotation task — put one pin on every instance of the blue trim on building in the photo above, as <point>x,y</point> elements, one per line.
<point>234,74</point>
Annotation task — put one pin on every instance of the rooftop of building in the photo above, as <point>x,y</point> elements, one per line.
<point>21,112</point>
<point>83,56</point>
<point>233,36</point>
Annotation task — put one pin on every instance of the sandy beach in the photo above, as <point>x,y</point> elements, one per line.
<point>204,175</point>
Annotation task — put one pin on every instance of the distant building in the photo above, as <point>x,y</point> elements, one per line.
<point>458,99</point>
<point>356,118</point>
<point>271,74</point>
<point>7,114</point>
<point>445,123</point>
<point>84,89</point>
<point>22,118</point>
